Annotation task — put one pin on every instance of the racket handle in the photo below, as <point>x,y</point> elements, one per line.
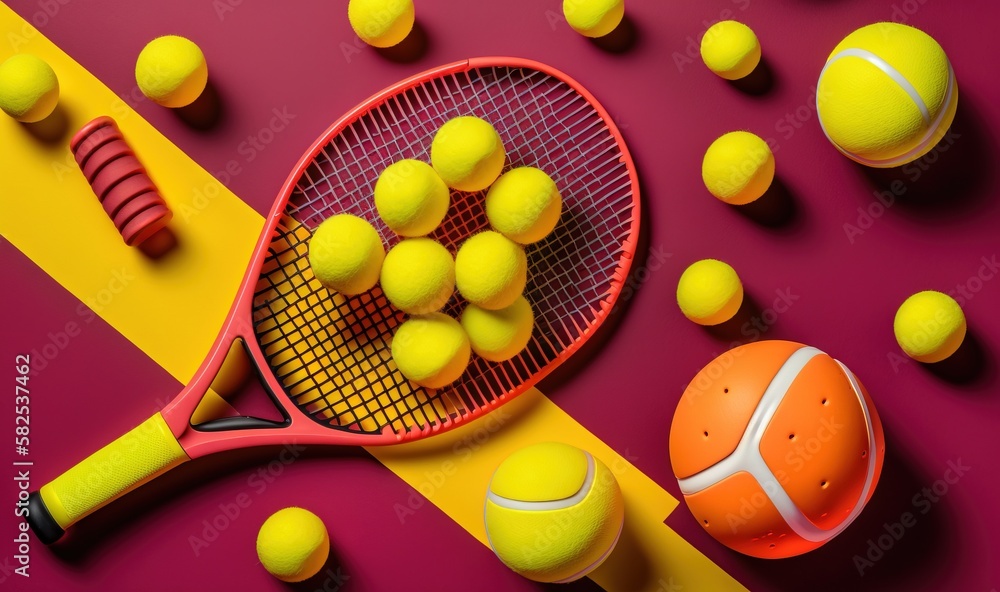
<point>106,475</point>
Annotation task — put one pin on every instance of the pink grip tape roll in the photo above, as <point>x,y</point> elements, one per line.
<point>127,193</point>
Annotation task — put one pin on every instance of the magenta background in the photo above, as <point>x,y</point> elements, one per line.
<point>289,55</point>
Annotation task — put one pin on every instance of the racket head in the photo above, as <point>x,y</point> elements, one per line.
<point>330,355</point>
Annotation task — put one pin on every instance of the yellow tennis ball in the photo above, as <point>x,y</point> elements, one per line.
<point>418,276</point>
<point>467,153</point>
<point>293,544</point>
<point>738,168</point>
<point>29,89</point>
<point>491,270</point>
<point>411,198</point>
<point>524,204</point>
<point>553,512</point>
<point>887,95</point>
<point>172,71</point>
<point>499,335</point>
<point>381,23</point>
<point>593,18</point>
<point>929,326</point>
<point>431,350</point>
<point>709,292</point>
<point>346,254</point>
<point>730,49</point>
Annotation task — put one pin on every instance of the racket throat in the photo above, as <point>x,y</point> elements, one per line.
<point>234,401</point>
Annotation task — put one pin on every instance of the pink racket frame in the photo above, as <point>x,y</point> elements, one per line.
<point>301,428</point>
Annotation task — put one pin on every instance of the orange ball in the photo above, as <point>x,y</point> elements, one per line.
<point>777,448</point>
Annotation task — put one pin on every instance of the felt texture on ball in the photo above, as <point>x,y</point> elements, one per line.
<point>431,350</point>
<point>346,254</point>
<point>29,89</point>
<point>929,326</point>
<point>171,71</point>
<point>738,168</point>
<point>491,270</point>
<point>709,292</point>
<point>499,335</point>
<point>411,198</point>
<point>730,49</point>
<point>381,23</point>
<point>553,512</point>
<point>593,18</point>
<point>524,205</point>
<point>293,544</point>
<point>468,153</point>
<point>887,95</point>
<point>418,276</point>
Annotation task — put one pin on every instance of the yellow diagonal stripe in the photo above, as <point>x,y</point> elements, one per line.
<point>172,308</point>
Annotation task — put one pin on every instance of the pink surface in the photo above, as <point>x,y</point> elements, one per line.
<point>292,71</point>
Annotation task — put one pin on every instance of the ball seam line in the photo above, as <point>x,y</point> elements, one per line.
<point>932,127</point>
<point>561,504</point>
<point>597,563</point>
<point>747,457</point>
<point>889,71</point>
<point>870,474</point>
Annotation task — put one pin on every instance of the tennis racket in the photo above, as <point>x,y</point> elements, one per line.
<point>325,359</point>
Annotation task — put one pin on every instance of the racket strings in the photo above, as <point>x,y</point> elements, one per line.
<point>328,351</point>
<point>332,354</point>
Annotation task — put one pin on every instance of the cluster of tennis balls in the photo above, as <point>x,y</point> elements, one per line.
<point>386,23</point>
<point>865,117</point>
<point>172,70</point>
<point>738,168</point>
<point>419,275</point>
<point>885,97</point>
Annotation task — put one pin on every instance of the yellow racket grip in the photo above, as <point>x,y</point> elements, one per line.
<point>143,453</point>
